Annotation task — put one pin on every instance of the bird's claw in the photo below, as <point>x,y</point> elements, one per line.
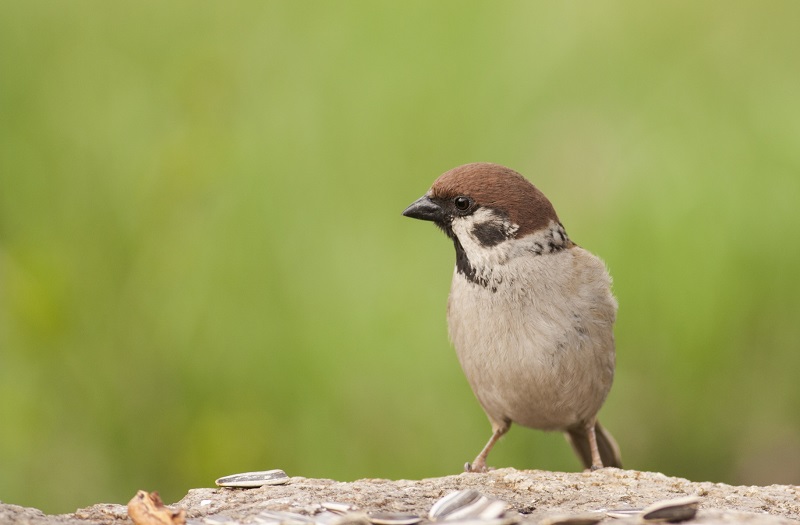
<point>477,467</point>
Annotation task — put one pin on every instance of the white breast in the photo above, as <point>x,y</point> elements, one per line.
<point>537,347</point>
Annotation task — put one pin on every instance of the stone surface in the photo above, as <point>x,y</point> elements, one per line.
<point>534,494</point>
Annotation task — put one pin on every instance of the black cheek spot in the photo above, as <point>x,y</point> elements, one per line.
<point>488,234</point>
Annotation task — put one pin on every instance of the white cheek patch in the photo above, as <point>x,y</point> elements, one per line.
<point>484,256</point>
<point>488,241</point>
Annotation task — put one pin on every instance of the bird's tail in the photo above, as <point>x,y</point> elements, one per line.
<point>609,450</point>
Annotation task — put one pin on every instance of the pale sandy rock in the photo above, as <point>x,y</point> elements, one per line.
<point>533,494</point>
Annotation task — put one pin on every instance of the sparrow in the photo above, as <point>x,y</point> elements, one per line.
<point>530,313</point>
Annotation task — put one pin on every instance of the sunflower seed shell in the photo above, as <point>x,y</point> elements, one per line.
<point>478,521</point>
<point>274,517</point>
<point>337,507</point>
<point>673,511</point>
<point>254,479</point>
<point>622,513</point>
<point>586,518</point>
<point>393,518</point>
<point>351,518</point>
<point>468,511</point>
<point>495,509</point>
<point>453,502</point>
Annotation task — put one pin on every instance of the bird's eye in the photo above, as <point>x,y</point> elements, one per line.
<point>462,203</point>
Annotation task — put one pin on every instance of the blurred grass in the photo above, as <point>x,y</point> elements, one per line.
<point>203,268</point>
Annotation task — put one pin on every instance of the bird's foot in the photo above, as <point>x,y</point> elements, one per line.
<point>469,468</point>
<point>478,466</point>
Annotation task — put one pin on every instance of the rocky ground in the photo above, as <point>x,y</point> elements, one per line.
<point>531,495</point>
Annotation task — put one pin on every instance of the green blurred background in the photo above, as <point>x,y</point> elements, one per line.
<point>204,269</point>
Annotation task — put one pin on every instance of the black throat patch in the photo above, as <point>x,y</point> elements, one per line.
<point>464,267</point>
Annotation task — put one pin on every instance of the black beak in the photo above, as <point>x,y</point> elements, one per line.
<point>425,209</point>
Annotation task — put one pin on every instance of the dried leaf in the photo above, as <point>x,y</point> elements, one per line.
<point>148,509</point>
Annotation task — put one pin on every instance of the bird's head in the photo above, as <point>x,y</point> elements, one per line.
<point>491,213</point>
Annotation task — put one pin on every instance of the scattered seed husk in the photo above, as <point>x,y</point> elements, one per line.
<point>393,518</point>
<point>351,518</point>
<point>274,517</point>
<point>622,513</point>
<point>338,508</point>
<point>470,510</point>
<point>673,510</point>
<point>478,521</point>
<point>586,518</point>
<point>268,521</point>
<point>482,508</point>
<point>494,509</point>
<point>453,502</point>
<point>327,518</point>
<point>254,479</point>
<point>219,519</point>
<point>468,504</point>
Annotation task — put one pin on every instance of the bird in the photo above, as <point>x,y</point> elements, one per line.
<point>530,313</point>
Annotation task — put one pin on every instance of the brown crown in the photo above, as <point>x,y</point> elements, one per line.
<point>501,188</point>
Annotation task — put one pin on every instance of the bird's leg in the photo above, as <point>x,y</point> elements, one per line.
<point>479,465</point>
<point>597,462</point>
